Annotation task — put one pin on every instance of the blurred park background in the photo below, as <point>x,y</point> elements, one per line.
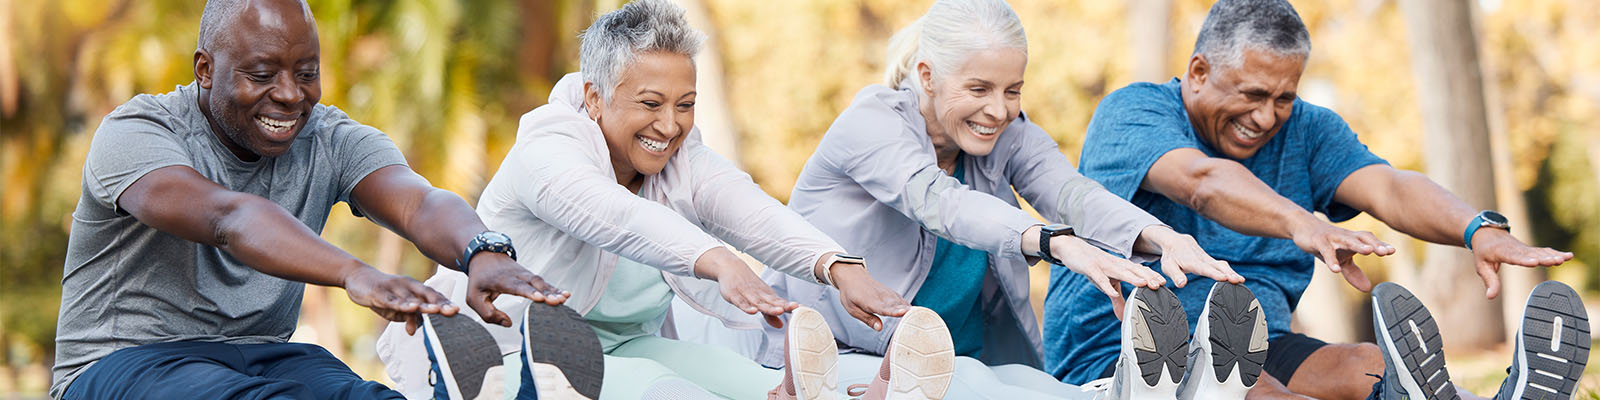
<point>1496,99</point>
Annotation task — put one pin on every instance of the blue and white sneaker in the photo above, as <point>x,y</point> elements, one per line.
<point>465,361</point>
<point>1552,346</point>
<point>1413,352</point>
<point>561,356</point>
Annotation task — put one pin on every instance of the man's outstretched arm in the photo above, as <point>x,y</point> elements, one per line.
<point>440,224</point>
<point>263,235</point>
<point>1226,192</point>
<point>1411,203</point>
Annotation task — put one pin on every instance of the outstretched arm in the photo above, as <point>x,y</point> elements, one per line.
<point>1413,204</point>
<point>259,233</point>
<point>440,223</point>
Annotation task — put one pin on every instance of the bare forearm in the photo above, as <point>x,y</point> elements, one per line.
<point>266,237</point>
<point>1421,208</point>
<point>441,226</point>
<point>1242,203</point>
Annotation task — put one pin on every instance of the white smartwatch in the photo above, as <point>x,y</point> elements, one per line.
<point>838,258</point>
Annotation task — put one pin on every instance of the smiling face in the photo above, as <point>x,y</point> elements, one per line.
<point>649,113</point>
<point>1237,110</point>
<point>260,78</point>
<point>972,104</point>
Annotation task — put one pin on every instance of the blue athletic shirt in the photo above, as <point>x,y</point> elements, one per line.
<point>1132,127</point>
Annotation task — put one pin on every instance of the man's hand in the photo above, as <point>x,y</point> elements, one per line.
<point>741,287</point>
<point>394,297</point>
<point>1180,255</point>
<point>1337,248</point>
<point>492,274</point>
<point>1492,247</point>
<point>865,298</point>
<point>1105,270</point>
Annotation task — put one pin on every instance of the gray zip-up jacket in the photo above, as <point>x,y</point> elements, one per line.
<point>874,185</point>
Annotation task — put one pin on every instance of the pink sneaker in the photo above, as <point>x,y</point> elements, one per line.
<point>919,364</point>
<point>810,357</point>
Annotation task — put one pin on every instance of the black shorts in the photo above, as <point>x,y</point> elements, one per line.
<point>1284,356</point>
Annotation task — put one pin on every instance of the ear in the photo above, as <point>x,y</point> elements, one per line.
<point>591,100</point>
<point>202,68</point>
<point>925,76</point>
<point>1198,72</point>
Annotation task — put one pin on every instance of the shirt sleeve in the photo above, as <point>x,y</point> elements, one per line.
<point>1335,153</point>
<point>360,149</point>
<point>133,140</point>
<point>1044,176</point>
<point>733,208</point>
<point>1132,128</point>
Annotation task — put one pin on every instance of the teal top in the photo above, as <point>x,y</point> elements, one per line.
<point>953,285</point>
<point>634,304</point>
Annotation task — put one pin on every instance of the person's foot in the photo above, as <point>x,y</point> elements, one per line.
<point>1229,345</point>
<point>1552,345</point>
<point>1413,352</point>
<point>1155,343</point>
<point>465,361</point>
<point>810,357</point>
<point>561,357</point>
<point>920,361</point>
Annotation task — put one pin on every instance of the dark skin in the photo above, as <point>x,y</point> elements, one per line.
<point>1236,110</point>
<point>266,66</point>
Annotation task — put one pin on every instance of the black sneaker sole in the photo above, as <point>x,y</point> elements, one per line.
<point>1234,317</point>
<point>557,335</point>
<point>1416,340</point>
<point>1169,334</point>
<point>1554,343</point>
<point>468,350</point>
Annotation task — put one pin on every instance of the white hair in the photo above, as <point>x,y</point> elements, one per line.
<point>1233,25</point>
<point>617,37</point>
<point>949,33</point>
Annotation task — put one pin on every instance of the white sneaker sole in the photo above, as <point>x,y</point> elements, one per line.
<point>1232,329</point>
<point>813,356</point>
<point>1155,344</point>
<point>922,357</point>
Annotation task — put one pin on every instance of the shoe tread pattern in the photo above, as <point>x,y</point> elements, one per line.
<point>924,353</point>
<point>562,338</point>
<point>1423,360</point>
<point>1567,362</point>
<point>1233,319</point>
<point>1169,327</point>
<point>469,350</point>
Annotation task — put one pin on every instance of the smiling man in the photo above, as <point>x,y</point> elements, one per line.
<point>1230,155</point>
<point>198,228</point>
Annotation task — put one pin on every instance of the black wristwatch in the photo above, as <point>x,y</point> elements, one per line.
<point>490,241</point>
<point>1050,231</point>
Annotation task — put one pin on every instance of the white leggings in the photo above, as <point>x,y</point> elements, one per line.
<point>973,380</point>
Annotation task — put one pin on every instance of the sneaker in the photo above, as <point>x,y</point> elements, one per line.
<point>1413,352</point>
<point>561,357</point>
<point>920,361</point>
<point>1155,342</point>
<point>466,363</point>
<point>810,357</point>
<point>1229,345</point>
<point>1552,345</point>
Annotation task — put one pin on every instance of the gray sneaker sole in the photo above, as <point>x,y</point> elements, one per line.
<point>467,349</point>
<point>1416,342</point>
<point>1553,347</point>
<point>1234,316</point>
<point>1169,334</point>
<point>557,335</point>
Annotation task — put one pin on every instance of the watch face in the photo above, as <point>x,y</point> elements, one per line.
<point>496,237</point>
<point>1052,229</point>
<point>1495,218</point>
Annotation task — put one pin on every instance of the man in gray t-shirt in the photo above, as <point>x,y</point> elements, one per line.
<point>198,227</point>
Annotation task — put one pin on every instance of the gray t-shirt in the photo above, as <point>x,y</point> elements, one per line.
<point>126,284</point>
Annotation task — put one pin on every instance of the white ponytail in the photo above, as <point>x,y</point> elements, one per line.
<point>949,32</point>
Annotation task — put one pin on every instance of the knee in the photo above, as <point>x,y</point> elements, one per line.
<point>1366,356</point>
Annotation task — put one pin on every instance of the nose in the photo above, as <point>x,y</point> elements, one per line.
<point>1264,116</point>
<point>285,91</point>
<point>995,108</point>
<point>667,123</point>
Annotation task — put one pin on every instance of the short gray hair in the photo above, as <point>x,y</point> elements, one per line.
<point>218,15</point>
<point>949,33</point>
<point>1233,25</point>
<point>617,37</point>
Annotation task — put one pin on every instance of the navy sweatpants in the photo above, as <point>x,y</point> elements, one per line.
<point>206,370</point>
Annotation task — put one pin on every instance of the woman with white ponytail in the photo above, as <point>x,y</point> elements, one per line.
<point>920,176</point>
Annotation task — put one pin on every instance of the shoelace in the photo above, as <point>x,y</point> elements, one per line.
<point>1098,385</point>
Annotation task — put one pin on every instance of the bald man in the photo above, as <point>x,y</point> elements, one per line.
<point>198,228</point>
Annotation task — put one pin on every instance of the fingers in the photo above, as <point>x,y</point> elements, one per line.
<point>774,321</point>
<point>1356,277</point>
<point>1489,271</point>
<point>1378,246</point>
<point>412,323</point>
<point>864,316</point>
<point>484,306</point>
<point>1329,256</point>
<point>1173,271</point>
<point>1117,302</point>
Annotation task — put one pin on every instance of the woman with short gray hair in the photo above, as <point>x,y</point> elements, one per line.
<point>933,160</point>
<point>619,202</point>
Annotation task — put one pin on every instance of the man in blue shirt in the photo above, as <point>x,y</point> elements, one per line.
<point>1229,155</point>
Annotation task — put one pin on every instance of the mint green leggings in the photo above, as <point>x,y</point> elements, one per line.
<point>637,365</point>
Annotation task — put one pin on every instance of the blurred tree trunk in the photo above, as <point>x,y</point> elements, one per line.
<point>712,114</point>
<point>1450,90</point>
<point>1149,39</point>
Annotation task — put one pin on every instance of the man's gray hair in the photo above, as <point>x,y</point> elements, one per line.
<point>617,37</point>
<point>1233,25</point>
<point>218,15</point>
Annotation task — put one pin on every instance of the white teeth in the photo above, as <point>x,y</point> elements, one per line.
<point>652,145</point>
<point>274,125</point>
<point>1246,133</point>
<point>981,130</point>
